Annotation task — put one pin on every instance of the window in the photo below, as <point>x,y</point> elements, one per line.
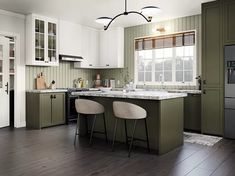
<point>169,59</point>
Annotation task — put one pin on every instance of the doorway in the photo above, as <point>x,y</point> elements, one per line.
<point>4,83</point>
<point>7,79</point>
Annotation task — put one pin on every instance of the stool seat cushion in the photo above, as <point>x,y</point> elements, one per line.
<point>84,106</point>
<point>126,110</point>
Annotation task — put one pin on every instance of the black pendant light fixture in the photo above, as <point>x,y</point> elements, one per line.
<point>146,12</point>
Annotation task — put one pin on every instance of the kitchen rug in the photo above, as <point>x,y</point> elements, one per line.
<point>201,139</point>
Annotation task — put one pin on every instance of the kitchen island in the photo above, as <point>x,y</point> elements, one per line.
<point>165,113</point>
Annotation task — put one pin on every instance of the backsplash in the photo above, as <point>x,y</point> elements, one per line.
<point>176,25</point>
<point>63,75</point>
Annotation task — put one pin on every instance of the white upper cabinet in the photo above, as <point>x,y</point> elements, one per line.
<point>41,41</point>
<point>112,48</point>
<point>90,47</point>
<point>102,49</point>
<point>70,35</point>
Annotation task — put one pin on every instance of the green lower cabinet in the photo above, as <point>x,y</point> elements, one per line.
<point>58,109</point>
<point>212,111</point>
<point>45,109</point>
<point>192,112</point>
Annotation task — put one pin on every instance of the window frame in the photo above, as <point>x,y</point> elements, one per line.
<point>153,82</point>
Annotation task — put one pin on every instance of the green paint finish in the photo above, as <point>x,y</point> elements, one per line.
<point>176,25</point>
<point>164,121</point>
<point>170,124</point>
<point>212,111</point>
<point>58,110</point>
<point>213,68</point>
<point>192,112</point>
<point>44,111</point>
<point>212,45</point>
<point>229,22</point>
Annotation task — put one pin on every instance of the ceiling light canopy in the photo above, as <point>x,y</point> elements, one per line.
<point>146,12</point>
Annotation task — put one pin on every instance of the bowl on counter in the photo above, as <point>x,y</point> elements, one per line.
<point>105,89</point>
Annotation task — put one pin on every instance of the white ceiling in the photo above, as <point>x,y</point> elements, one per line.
<point>86,11</point>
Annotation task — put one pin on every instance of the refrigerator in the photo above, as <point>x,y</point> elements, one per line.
<point>229,99</point>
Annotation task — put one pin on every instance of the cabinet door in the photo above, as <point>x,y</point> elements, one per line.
<point>90,54</point>
<point>104,49</point>
<point>212,50</point>
<point>40,39</point>
<point>229,22</point>
<point>70,38</point>
<point>58,108</point>
<point>192,112</point>
<point>45,110</point>
<point>212,111</point>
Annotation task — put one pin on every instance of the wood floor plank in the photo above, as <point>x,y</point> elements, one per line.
<point>50,152</point>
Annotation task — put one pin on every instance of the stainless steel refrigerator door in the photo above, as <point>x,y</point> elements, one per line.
<point>229,81</point>
<point>229,131</point>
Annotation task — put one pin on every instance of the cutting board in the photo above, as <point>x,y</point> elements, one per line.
<point>40,82</point>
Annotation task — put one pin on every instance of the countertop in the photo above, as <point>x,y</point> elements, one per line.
<point>47,91</point>
<point>147,95</point>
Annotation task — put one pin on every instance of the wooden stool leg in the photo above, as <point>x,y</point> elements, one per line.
<point>77,131</point>
<point>92,130</point>
<point>132,138</point>
<point>105,130</point>
<point>147,137</point>
<point>114,134</point>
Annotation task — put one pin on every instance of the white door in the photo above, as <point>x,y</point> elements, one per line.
<point>4,82</point>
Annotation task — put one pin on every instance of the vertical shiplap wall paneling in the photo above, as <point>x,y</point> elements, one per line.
<point>63,75</point>
<point>175,25</point>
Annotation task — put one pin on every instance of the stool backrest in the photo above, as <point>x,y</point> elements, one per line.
<point>84,106</point>
<point>128,110</point>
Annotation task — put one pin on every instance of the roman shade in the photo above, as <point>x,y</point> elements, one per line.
<point>165,41</point>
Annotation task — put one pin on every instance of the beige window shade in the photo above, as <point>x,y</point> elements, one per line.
<point>166,41</point>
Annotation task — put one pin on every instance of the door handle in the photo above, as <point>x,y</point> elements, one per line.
<point>51,97</point>
<point>54,96</point>
<point>7,86</point>
<point>204,92</point>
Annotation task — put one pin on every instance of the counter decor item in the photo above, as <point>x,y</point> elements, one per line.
<point>78,83</point>
<point>97,81</point>
<point>52,85</point>
<point>112,83</point>
<point>40,81</point>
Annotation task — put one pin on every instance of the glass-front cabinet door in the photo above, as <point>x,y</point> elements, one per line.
<point>39,40</point>
<point>42,41</point>
<point>52,33</point>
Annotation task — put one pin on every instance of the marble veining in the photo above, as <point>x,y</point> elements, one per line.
<point>148,95</point>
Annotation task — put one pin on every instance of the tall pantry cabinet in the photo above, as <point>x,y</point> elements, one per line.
<point>218,30</point>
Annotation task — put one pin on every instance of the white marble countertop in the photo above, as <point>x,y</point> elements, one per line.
<point>47,91</point>
<point>148,95</point>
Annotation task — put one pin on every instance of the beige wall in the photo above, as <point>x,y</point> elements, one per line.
<point>175,25</point>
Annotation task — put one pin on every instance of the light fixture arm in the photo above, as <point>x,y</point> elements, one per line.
<point>107,21</point>
<point>149,19</point>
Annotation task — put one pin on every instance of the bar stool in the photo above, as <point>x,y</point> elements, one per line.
<point>90,108</point>
<point>129,111</point>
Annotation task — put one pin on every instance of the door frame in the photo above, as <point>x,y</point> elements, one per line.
<point>19,82</point>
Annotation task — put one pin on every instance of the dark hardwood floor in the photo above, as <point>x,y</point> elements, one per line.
<point>50,152</point>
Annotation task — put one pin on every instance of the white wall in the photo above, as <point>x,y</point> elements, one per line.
<point>14,24</point>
